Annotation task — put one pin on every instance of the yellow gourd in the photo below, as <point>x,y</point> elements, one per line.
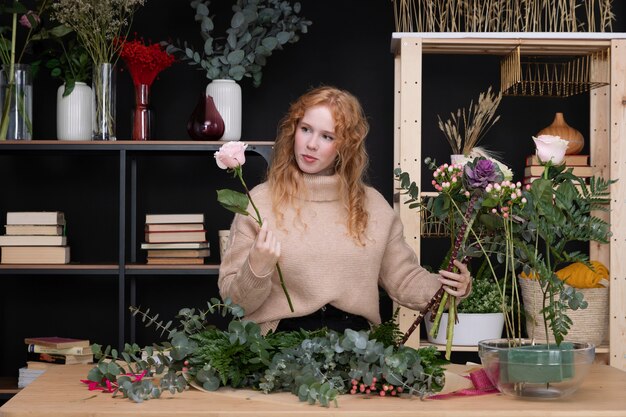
<point>578,275</point>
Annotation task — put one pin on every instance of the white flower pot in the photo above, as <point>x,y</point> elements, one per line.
<point>471,328</point>
<point>74,113</point>
<point>227,98</point>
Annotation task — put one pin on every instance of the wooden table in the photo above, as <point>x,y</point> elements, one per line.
<point>58,393</point>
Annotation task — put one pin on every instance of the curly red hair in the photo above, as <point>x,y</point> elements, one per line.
<point>351,128</point>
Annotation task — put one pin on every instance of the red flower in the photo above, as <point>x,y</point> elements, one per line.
<point>144,62</point>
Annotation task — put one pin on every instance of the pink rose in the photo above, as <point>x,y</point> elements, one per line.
<point>231,155</point>
<point>25,21</point>
<point>550,148</point>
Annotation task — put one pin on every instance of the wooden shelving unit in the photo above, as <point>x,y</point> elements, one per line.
<point>607,135</point>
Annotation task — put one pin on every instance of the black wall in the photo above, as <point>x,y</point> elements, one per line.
<point>348,46</point>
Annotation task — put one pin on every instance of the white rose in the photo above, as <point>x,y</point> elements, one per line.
<point>550,148</point>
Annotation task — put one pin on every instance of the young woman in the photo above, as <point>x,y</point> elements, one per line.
<point>336,239</point>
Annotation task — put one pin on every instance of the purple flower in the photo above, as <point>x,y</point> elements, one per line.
<point>481,172</point>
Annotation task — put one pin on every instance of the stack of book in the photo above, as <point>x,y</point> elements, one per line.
<point>579,164</point>
<point>34,237</point>
<point>175,239</point>
<point>45,352</point>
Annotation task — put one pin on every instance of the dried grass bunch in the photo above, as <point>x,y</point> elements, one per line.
<point>466,127</point>
<point>98,24</point>
<point>503,15</point>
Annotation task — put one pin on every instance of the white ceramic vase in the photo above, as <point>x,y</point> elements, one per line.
<point>471,328</point>
<point>74,113</point>
<point>227,98</point>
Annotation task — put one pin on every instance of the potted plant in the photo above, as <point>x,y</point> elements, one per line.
<point>479,315</point>
<point>257,29</point>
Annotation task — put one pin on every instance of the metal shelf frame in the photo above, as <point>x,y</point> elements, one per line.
<point>126,270</point>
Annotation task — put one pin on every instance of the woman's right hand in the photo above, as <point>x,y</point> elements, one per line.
<point>264,252</point>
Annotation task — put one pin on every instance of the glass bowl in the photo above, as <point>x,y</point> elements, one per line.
<point>536,370</point>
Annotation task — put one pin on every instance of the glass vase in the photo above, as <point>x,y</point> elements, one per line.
<point>205,123</point>
<point>103,112</point>
<point>16,101</point>
<point>142,116</point>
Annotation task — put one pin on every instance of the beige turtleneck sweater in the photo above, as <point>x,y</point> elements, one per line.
<point>321,263</point>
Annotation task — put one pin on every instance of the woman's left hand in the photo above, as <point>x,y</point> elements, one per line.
<point>457,284</point>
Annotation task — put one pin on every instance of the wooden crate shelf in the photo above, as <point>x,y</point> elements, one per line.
<point>607,120</point>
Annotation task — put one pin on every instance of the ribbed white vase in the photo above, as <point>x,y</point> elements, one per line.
<point>227,98</point>
<point>74,113</point>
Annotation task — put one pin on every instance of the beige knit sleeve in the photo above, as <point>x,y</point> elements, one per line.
<point>401,274</point>
<point>236,280</point>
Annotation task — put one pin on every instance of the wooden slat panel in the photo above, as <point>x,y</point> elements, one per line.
<point>617,267</point>
<point>409,150</point>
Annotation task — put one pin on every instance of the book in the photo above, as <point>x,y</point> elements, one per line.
<point>39,365</point>
<point>36,217</point>
<point>180,245</point>
<point>537,171</point>
<point>175,261</point>
<point>174,218</point>
<point>57,342</point>
<point>35,255</point>
<point>570,160</point>
<point>170,227</point>
<point>74,350</point>
<point>59,359</point>
<point>34,229</point>
<point>32,240</point>
<point>28,375</point>
<point>176,236</point>
<point>178,253</point>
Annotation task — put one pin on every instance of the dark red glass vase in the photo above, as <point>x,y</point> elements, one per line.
<point>142,114</point>
<point>205,123</point>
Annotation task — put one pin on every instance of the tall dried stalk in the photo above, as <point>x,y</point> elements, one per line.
<point>466,127</point>
<point>503,15</point>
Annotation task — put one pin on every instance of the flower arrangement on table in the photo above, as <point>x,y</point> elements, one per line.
<point>144,62</point>
<point>98,25</point>
<point>30,21</point>
<point>523,228</point>
<point>315,366</point>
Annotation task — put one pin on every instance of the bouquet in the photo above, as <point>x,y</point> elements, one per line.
<point>98,24</point>
<point>30,21</point>
<point>145,62</point>
<point>521,227</point>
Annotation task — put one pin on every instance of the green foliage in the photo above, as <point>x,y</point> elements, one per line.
<point>388,333</point>
<point>485,296</point>
<point>316,366</point>
<point>257,29</point>
<point>68,62</point>
<point>558,213</point>
<point>319,368</point>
